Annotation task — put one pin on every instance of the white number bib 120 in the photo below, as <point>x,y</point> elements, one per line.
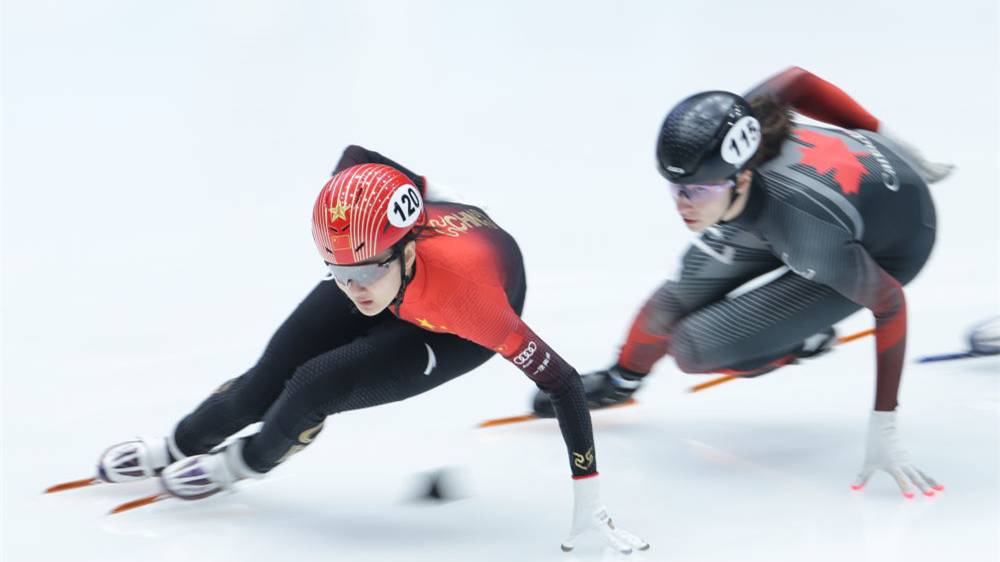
<point>404,206</point>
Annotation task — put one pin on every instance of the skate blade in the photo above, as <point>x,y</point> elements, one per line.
<point>139,503</point>
<point>73,485</point>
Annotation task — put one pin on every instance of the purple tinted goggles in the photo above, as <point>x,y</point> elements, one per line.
<point>697,193</point>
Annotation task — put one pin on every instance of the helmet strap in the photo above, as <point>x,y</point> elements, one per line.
<point>733,196</point>
<point>404,279</point>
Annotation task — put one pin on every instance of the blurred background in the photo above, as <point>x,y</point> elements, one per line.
<point>159,166</point>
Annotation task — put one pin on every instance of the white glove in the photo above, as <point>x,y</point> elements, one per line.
<point>589,515</point>
<point>885,452</point>
<point>931,172</point>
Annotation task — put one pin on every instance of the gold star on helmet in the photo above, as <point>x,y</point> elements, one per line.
<point>338,212</point>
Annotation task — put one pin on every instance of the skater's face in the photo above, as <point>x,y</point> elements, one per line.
<point>377,294</point>
<point>701,206</point>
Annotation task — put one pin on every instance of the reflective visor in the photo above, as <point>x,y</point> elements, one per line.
<point>699,192</point>
<point>363,274</point>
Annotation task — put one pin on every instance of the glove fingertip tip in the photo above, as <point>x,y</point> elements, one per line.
<point>908,495</point>
<point>939,487</point>
<point>857,487</point>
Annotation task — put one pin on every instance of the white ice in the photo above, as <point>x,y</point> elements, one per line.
<point>159,167</point>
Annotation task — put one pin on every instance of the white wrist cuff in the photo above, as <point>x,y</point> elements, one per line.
<point>586,491</point>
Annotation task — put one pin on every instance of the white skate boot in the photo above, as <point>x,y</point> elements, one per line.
<point>201,476</point>
<point>138,459</point>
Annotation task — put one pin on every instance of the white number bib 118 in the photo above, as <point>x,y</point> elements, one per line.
<point>741,141</point>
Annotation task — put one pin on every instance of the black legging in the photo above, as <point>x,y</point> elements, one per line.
<point>326,358</point>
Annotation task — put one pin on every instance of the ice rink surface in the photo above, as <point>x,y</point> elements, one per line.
<point>159,168</point>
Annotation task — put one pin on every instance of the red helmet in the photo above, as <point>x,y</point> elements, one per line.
<point>362,211</point>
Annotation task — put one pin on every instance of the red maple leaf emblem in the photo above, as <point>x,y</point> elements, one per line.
<point>830,153</point>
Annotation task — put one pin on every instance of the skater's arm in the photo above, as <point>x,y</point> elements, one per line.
<point>814,97</point>
<point>826,251</point>
<point>852,272</point>
<point>354,155</point>
<point>493,324</point>
<point>551,373</point>
<point>648,337</point>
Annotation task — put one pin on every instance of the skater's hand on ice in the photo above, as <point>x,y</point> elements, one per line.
<point>590,516</point>
<point>885,452</point>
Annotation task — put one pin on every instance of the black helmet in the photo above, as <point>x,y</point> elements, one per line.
<point>706,138</point>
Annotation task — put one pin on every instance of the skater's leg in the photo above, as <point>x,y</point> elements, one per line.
<point>719,261</point>
<point>324,320</point>
<point>757,331</point>
<point>395,361</point>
